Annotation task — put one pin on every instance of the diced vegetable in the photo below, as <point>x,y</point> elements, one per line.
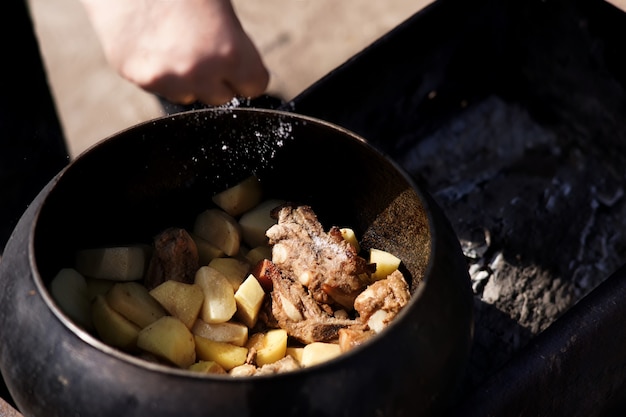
<point>259,253</point>
<point>181,300</point>
<point>219,297</point>
<point>69,289</point>
<point>350,237</point>
<point>255,223</point>
<point>97,286</point>
<point>249,298</point>
<point>220,229</point>
<point>274,347</point>
<point>235,270</point>
<point>385,262</point>
<point>206,250</point>
<point>112,327</point>
<point>318,352</point>
<point>133,301</point>
<point>225,354</point>
<point>207,367</point>
<point>229,332</point>
<point>122,263</point>
<point>295,352</point>
<point>240,197</point>
<point>170,339</point>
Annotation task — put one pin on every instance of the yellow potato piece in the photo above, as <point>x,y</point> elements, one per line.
<point>207,367</point>
<point>274,347</point>
<point>169,339</point>
<point>206,250</point>
<point>256,341</point>
<point>133,301</point>
<point>229,332</point>
<point>249,298</point>
<point>235,270</point>
<point>220,229</point>
<point>69,289</point>
<point>257,254</point>
<point>241,197</point>
<point>385,262</point>
<point>122,263</point>
<point>226,355</point>
<point>296,353</point>
<point>319,352</point>
<point>350,237</point>
<point>112,327</point>
<point>219,297</point>
<point>255,223</point>
<point>180,299</point>
<point>97,286</point>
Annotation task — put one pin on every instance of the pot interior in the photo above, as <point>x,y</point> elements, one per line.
<point>163,173</point>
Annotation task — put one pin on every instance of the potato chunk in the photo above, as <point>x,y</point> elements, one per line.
<point>207,367</point>
<point>69,289</point>
<point>295,352</point>
<point>233,269</point>
<point>273,347</point>
<point>318,352</point>
<point>226,355</point>
<point>385,262</point>
<point>229,332</point>
<point>255,223</point>
<point>97,286</point>
<point>220,229</point>
<point>249,298</point>
<point>241,197</point>
<point>133,301</point>
<point>169,339</point>
<point>121,263</point>
<point>219,297</point>
<point>259,253</point>
<point>206,250</point>
<point>181,300</point>
<point>112,327</point>
<point>350,237</point>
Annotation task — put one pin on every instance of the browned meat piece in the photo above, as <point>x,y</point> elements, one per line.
<point>285,364</point>
<point>175,258</point>
<point>295,310</point>
<point>379,303</point>
<point>323,262</point>
<point>246,369</point>
<point>350,338</point>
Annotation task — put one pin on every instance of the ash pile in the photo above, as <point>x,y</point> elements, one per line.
<point>540,217</point>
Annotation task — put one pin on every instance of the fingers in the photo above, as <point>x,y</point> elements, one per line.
<point>214,85</point>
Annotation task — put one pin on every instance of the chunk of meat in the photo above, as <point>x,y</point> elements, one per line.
<point>286,364</point>
<point>380,302</point>
<point>323,262</point>
<point>350,338</point>
<point>294,309</point>
<point>175,258</point>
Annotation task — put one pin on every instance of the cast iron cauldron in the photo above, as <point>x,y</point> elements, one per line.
<point>162,173</point>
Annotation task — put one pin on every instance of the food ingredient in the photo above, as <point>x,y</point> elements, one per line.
<point>257,287</point>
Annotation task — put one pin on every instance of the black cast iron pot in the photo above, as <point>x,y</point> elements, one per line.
<point>161,174</point>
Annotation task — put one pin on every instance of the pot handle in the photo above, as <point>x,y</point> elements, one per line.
<point>265,101</point>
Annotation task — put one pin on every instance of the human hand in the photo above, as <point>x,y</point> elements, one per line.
<point>181,50</point>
